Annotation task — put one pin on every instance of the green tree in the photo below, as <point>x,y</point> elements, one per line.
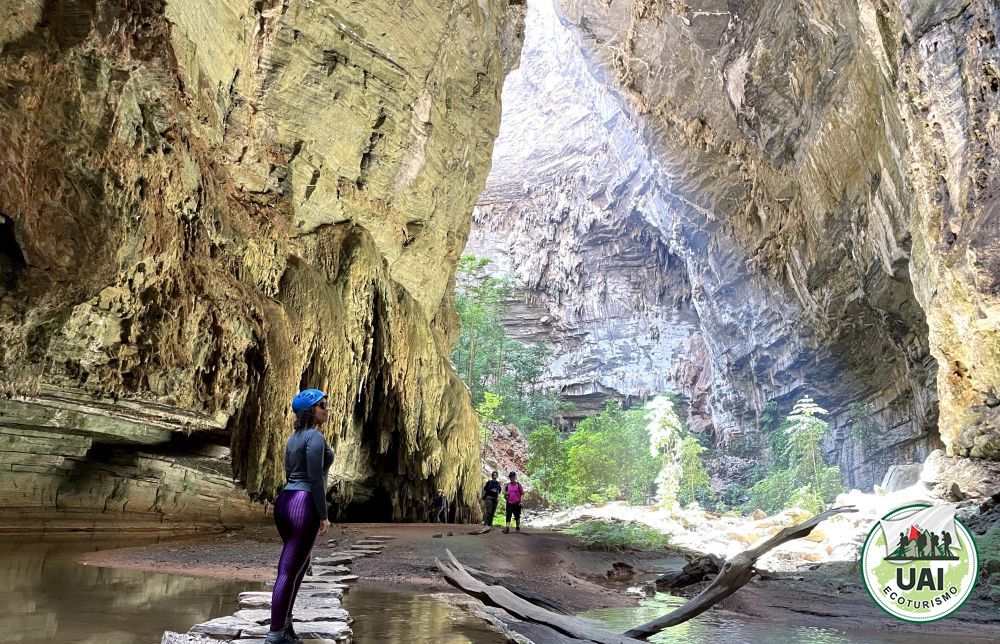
<point>487,411</point>
<point>488,359</point>
<point>806,481</point>
<point>694,481</point>
<point>609,457</point>
<point>547,463</point>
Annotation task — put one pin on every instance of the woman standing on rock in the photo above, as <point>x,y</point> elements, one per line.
<point>300,510</point>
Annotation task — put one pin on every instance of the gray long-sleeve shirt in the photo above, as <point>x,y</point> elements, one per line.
<point>307,460</point>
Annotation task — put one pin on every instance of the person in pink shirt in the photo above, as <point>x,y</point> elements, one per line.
<point>513,492</point>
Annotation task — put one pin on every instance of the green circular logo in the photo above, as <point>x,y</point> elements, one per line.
<point>919,563</point>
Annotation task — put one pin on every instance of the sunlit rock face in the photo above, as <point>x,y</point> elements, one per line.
<point>206,205</point>
<point>822,171</point>
<point>831,166</point>
<point>565,212</point>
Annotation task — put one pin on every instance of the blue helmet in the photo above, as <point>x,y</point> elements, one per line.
<point>306,399</point>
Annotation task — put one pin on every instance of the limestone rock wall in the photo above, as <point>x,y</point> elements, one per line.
<point>827,172</point>
<point>206,205</point>
<point>561,213</point>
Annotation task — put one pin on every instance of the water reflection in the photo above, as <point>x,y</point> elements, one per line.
<point>391,616</point>
<point>716,626</point>
<point>46,596</point>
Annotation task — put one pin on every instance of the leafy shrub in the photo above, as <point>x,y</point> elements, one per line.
<point>799,475</point>
<point>608,457</point>
<point>615,536</point>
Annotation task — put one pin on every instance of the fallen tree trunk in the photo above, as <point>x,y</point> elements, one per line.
<point>695,571</point>
<point>736,572</point>
<point>456,575</point>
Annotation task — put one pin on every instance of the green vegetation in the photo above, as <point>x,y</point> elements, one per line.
<point>490,361</point>
<point>622,455</point>
<point>682,477</point>
<point>615,536</point>
<point>798,474</point>
<point>608,457</point>
<point>694,482</point>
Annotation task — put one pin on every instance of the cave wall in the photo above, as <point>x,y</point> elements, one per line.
<point>562,213</point>
<point>208,205</point>
<point>815,157</point>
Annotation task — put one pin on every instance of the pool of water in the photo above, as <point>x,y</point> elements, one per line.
<point>392,616</point>
<point>45,596</point>
<point>723,626</point>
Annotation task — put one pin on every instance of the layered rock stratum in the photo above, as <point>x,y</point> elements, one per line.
<point>207,205</point>
<point>808,191</point>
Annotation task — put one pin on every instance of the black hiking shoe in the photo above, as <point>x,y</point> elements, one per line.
<point>506,530</point>
<point>518,529</point>
<point>290,632</point>
<point>280,638</point>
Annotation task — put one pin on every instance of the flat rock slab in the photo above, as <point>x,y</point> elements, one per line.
<point>337,579</point>
<point>222,627</point>
<point>380,537</point>
<point>170,637</point>
<point>298,615</point>
<point>263,600</point>
<point>323,590</point>
<point>368,542</point>
<point>320,571</point>
<point>334,559</point>
<point>366,552</point>
<point>318,583</point>
<point>307,630</point>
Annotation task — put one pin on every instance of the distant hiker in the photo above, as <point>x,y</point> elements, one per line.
<point>300,510</point>
<point>440,507</point>
<point>491,496</point>
<point>934,544</point>
<point>513,492</point>
<point>946,544</point>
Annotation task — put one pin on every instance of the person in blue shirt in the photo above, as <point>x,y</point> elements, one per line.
<point>300,509</point>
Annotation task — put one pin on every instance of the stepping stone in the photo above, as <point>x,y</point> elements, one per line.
<point>380,537</point>
<point>365,551</point>
<point>261,616</point>
<point>263,600</point>
<point>368,543</point>
<point>322,571</point>
<point>334,559</point>
<point>170,637</point>
<point>307,630</point>
<point>324,590</point>
<point>320,587</point>
<point>222,627</point>
<point>337,579</point>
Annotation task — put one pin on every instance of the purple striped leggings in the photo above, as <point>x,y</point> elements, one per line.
<point>298,525</point>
